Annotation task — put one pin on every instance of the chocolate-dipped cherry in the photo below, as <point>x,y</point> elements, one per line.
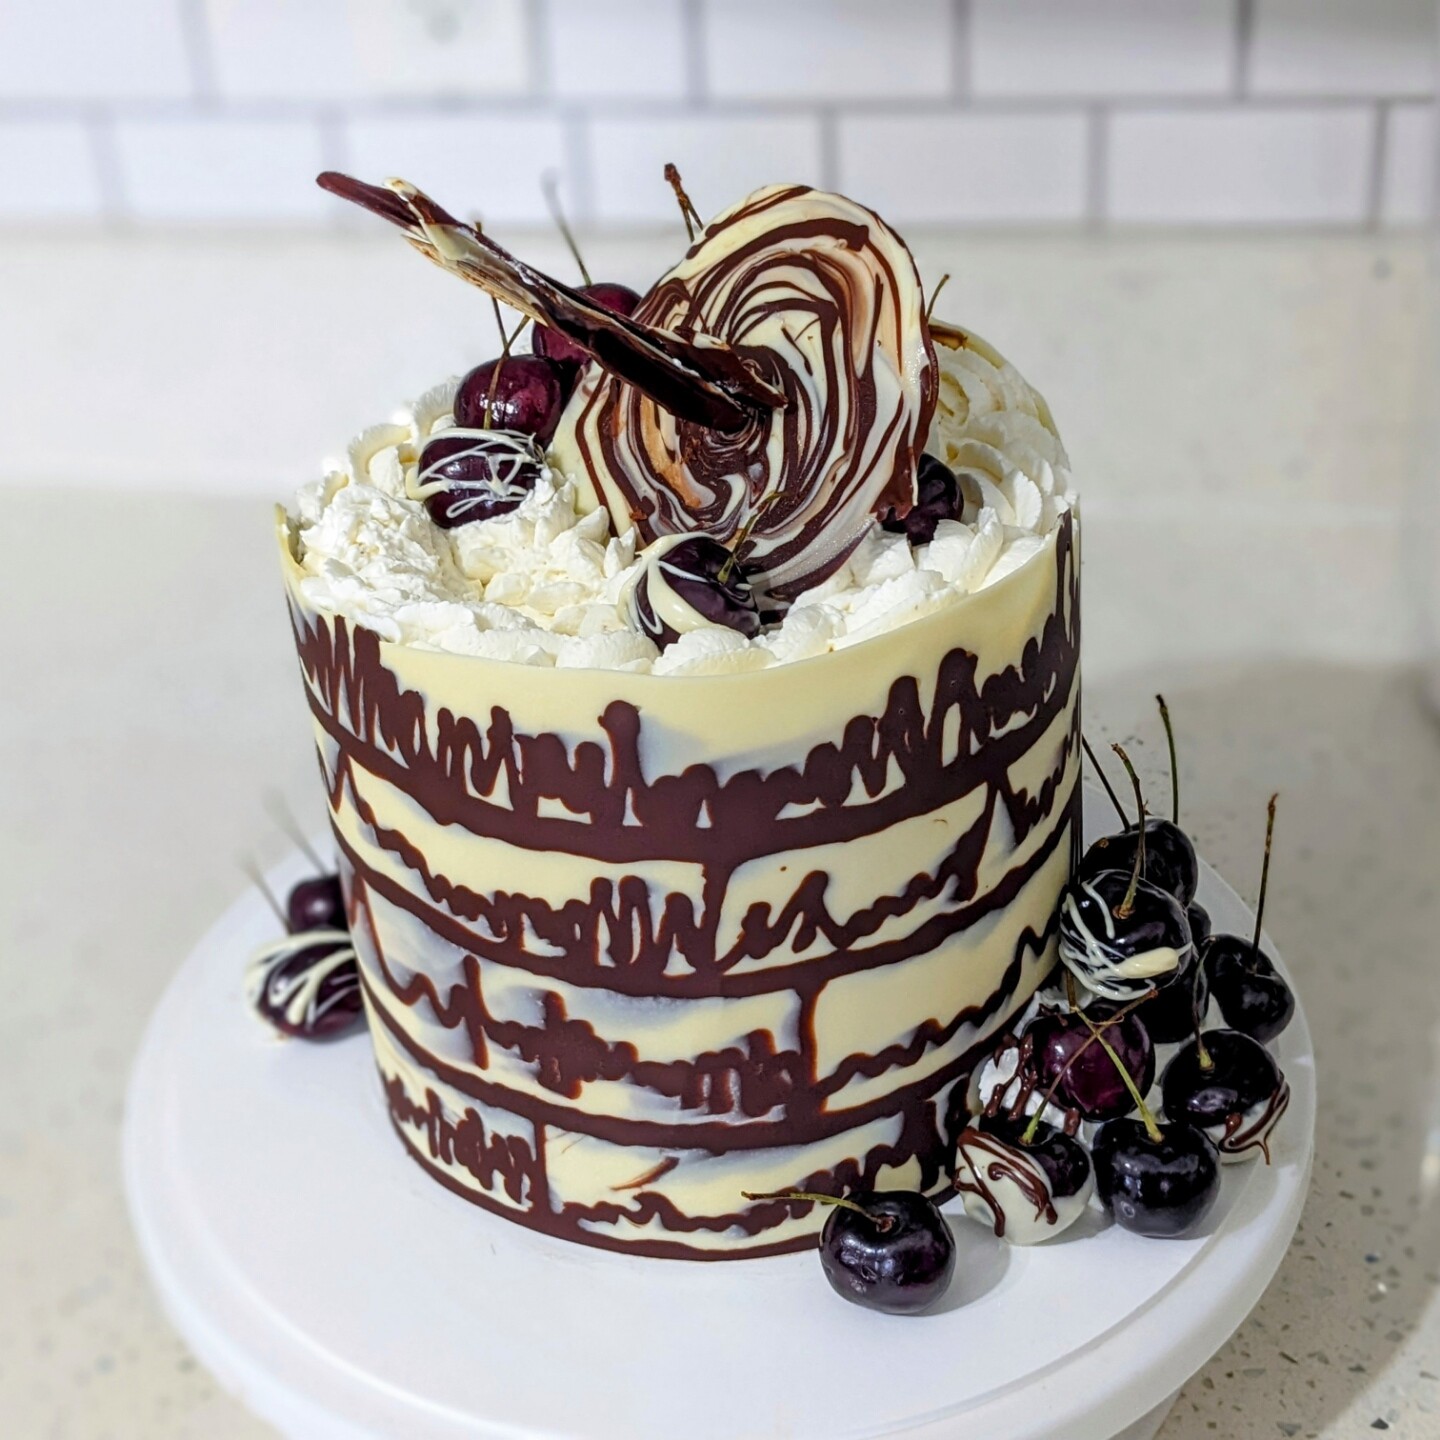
<point>687,582</point>
<point>1170,858</point>
<point>1083,1075</point>
<point>1252,996</point>
<point>887,1250</point>
<point>1229,1086</point>
<point>1175,1011</point>
<point>1028,1182</point>
<point>307,985</point>
<point>1155,1179</point>
<point>937,498</point>
<point>525,393</point>
<point>1120,934</point>
<point>468,474</point>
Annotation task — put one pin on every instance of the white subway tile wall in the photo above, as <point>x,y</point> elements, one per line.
<point>957,112</point>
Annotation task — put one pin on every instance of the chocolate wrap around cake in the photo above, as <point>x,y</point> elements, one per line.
<point>634,944</point>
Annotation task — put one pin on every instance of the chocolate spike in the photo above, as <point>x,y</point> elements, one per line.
<point>709,385</point>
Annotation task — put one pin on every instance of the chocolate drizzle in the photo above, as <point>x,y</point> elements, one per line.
<point>821,297</point>
<point>482,1110</point>
<point>993,1162</point>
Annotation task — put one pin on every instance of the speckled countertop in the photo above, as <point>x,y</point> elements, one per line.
<point>1238,411</point>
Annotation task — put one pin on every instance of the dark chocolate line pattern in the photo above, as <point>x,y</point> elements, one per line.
<point>629,817</point>
<point>564,1051</point>
<point>610,938</point>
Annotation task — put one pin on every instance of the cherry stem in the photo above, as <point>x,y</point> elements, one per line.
<point>1029,1133</point>
<point>1264,875</point>
<point>1146,1116</point>
<point>252,873</point>
<point>881,1222</point>
<point>1105,781</point>
<point>1174,768</point>
<point>506,341</point>
<point>280,814</point>
<point>1127,905</point>
<point>742,538</point>
<point>551,188</point>
<point>688,212</point>
<point>935,295</point>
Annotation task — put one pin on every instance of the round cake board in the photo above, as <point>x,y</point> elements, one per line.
<point>342,1295</point>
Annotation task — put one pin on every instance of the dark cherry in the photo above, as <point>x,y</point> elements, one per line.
<point>554,346</point>
<point>1060,1156</point>
<point>333,1008</point>
<point>530,393</point>
<point>1237,1096</point>
<point>1199,918</point>
<point>937,498</point>
<point>1169,1016</point>
<point>486,475</point>
<point>316,904</point>
<point>1161,1187</point>
<point>894,1253</point>
<point>1252,995</point>
<point>1117,955</point>
<point>1170,859</point>
<point>1065,1049</point>
<point>689,572</point>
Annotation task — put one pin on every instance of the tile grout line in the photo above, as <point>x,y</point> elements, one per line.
<point>576,142</point>
<point>962,26</point>
<point>692,31</point>
<point>1097,166</point>
<point>537,49</point>
<point>105,157</point>
<point>199,52</point>
<point>829,148</point>
<point>1244,44</point>
<point>1379,147</point>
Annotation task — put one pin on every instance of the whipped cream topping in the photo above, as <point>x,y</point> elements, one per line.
<point>546,584</point>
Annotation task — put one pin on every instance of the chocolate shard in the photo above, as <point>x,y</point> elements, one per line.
<point>708,385</point>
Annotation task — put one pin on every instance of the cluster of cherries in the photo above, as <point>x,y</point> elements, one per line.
<point>307,983</point>
<point>506,411</point>
<point>1139,967</point>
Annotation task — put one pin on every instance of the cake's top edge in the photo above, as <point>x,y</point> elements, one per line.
<point>772,456</point>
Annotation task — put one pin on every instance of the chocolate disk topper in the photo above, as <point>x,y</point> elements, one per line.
<point>780,380</point>
<point>825,299</point>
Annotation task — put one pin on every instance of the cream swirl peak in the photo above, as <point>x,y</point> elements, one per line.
<point>824,294</point>
<point>779,382</point>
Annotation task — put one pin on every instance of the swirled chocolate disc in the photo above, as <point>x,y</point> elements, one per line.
<point>823,300</point>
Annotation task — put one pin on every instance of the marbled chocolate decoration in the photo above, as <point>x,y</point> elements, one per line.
<point>823,297</point>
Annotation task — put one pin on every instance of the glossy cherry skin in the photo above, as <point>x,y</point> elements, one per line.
<point>1060,1156</point>
<point>1064,1049</point>
<point>1170,859</point>
<point>1252,995</point>
<point>471,467</point>
<point>937,498</point>
<point>1119,955</point>
<point>554,346</point>
<point>692,570</point>
<point>1161,1188</point>
<point>1199,918</point>
<point>530,393</point>
<point>316,904</point>
<point>1241,1080</point>
<point>337,1006</point>
<point>1170,1015</point>
<point>897,1257</point>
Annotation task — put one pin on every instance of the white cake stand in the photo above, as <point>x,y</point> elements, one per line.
<point>342,1295</point>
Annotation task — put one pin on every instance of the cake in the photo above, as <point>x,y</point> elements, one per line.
<point>676,879</point>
